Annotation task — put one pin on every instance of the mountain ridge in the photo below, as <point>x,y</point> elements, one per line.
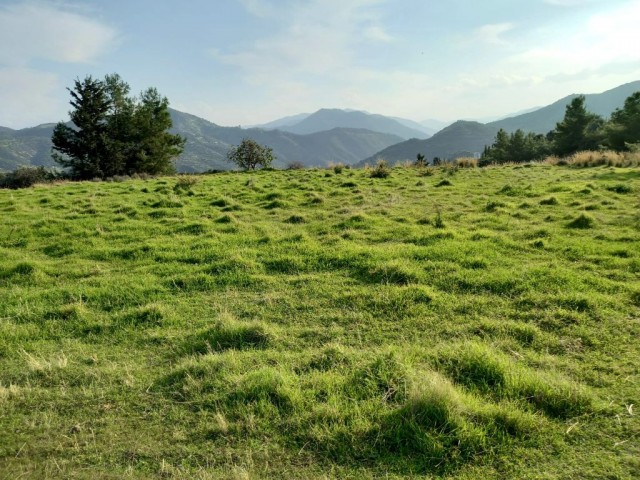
<point>464,138</point>
<point>208,143</point>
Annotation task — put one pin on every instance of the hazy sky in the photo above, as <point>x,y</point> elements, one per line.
<point>240,62</point>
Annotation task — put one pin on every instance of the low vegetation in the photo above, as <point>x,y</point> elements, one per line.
<point>432,321</point>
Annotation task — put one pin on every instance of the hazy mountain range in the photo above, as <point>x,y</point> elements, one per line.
<point>329,118</point>
<point>326,136</point>
<point>464,138</point>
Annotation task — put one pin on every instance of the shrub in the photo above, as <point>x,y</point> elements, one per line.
<point>427,172</point>
<point>381,170</point>
<point>466,162</point>
<point>184,183</point>
<point>296,166</point>
<point>337,168</point>
<point>24,177</point>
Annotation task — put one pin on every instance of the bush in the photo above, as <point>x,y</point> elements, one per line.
<point>296,166</point>
<point>381,170</point>
<point>466,162</point>
<point>337,168</point>
<point>24,177</point>
<point>184,183</point>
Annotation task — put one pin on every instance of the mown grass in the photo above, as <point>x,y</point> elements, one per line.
<point>465,323</point>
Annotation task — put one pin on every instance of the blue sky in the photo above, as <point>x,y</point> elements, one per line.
<point>242,62</point>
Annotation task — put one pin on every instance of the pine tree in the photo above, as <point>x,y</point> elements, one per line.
<point>579,130</point>
<point>115,134</point>
<point>83,150</point>
<point>154,146</point>
<point>624,129</point>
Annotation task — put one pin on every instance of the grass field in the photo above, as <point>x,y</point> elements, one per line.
<point>478,323</point>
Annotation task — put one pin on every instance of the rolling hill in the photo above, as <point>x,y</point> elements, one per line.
<point>460,139</point>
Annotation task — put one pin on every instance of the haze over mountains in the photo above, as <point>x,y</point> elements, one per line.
<point>324,137</point>
<point>329,118</point>
<point>466,138</point>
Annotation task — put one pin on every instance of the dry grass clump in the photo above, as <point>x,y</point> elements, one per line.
<point>381,170</point>
<point>466,162</point>
<point>608,158</point>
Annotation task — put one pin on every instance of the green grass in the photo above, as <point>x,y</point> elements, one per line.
<point>470,323</point>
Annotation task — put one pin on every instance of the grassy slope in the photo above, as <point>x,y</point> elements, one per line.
<point>300,324</point>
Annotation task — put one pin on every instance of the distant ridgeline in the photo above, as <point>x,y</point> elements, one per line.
<point>376,136</point>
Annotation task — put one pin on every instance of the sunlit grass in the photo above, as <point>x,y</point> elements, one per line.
<point>437,321</point>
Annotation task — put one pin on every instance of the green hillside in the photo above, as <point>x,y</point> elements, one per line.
<point>207,145</point>
<point>544,119</point>
<point>473,323</point>
<point>460,139</point>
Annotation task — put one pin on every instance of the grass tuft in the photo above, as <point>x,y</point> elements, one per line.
<point>582,221</point>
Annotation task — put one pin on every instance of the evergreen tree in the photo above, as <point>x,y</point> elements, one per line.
<point>154,146</point>
<point>624,128</point>
<point>517,147</point>
<point>115,134</point>
<point>579,130</point>
<point>84,150</point>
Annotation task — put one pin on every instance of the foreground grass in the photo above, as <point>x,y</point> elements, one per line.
<point>308,324</point>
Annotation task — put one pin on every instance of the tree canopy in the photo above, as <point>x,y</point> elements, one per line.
<point>579,130</point>
<point>623,130</point>
<point>112,133</point>
<point>250,154</point>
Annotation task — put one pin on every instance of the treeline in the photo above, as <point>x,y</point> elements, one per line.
<point>580,130</point>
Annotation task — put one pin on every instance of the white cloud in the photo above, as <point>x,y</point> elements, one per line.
<point>37,30</point>
<point>32,32</point>
<point>609,37</point>
<point>319,37</point>
<point>492,33</point>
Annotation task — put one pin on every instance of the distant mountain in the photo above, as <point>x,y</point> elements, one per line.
<point>464,138</point>
<point>328,119</point>
<point>282,122</point>
<point>544,119</point>
<point>416,126</point>
<point>460,139</point>
<point>434,125</point>
<point>28,146</point>
<point>208,143</point>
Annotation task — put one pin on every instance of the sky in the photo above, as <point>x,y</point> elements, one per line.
<point>244,62</point>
